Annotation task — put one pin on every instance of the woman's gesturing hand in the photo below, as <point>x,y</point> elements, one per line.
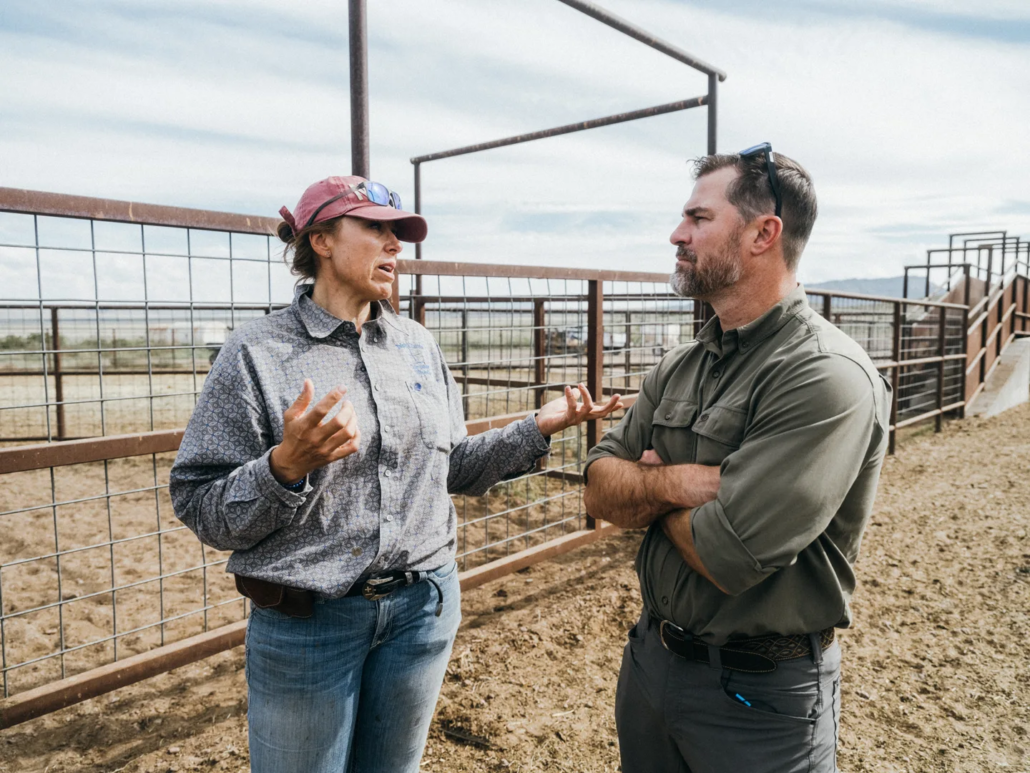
<point>310,442</point>
<point>567,411</point>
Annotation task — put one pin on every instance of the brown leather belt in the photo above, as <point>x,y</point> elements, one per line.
<point>295,602</point>
<point>757,656</point>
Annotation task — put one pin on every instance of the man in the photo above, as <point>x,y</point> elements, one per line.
<point>752,457</point>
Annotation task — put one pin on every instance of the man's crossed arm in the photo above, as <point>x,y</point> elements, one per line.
<point>635,494</point>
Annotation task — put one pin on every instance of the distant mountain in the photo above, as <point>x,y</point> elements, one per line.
<point>889,286</point>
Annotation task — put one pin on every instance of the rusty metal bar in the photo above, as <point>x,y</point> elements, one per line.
<point>941,338</point>
<point>595,353</point>
<point>539,351</point>
<point>359,159</point>
<point>55,347</point>
<point>713,116</point>
<point>63,205</point>
<point>518,139</point>
<point>895,375</point>
<point>637,33</point>
<point>38,457</point>
<point>450,268</point>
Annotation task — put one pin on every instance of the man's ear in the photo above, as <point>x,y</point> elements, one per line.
<point>770,228</point>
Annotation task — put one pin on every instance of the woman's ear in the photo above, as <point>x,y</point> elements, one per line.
<point>320,244</point>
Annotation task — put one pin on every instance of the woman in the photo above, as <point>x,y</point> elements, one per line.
<point>338,511</point>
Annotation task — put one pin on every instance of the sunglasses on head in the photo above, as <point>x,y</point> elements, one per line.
<point>770,168</point>
<point>377,193</point>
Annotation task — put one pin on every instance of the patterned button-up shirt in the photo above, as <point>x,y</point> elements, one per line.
<point>385,507</point>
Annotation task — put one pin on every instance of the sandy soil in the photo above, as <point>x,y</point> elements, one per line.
<point>935,679</point>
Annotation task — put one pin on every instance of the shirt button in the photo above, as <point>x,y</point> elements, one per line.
<point>387,473</point>
<point>385,429</point>
<point>744,344</point>
<point>376,387</point>
<point>665,600</point>
<point>389,518</point>
<point>716,374</point>
<point>668,416</point>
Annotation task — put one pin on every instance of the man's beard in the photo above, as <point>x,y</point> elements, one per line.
<point>720,270</point>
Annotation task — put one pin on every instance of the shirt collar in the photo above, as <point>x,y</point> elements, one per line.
<point>745,337</point>
<point>321,324</point>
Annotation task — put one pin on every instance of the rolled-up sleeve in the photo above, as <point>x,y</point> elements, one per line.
<point>809,439</point>
<point>476,463</point>
<point>221,484</point>
<point>632,436</point>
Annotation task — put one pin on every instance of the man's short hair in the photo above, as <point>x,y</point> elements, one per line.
<point>752,194</point>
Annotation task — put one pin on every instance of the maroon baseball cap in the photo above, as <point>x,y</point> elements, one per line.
<point>356,197</point>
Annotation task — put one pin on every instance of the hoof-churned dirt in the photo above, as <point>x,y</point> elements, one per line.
<point>936,668</point>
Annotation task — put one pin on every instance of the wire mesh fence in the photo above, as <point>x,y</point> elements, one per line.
<point>110,328</point>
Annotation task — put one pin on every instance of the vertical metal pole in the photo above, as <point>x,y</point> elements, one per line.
<point>965,350</point>
<point>359,162</point>
<point>539,352</point>
<point>418,204</point>
<point>828,307</point>
<point>713,112</point>
<point>465,360</point>
<point>941,333</point>
<point>895,375</point>
<point>55,346</point>
<point>904,284</point>
<point>965,272</point>
<point>595,362</point>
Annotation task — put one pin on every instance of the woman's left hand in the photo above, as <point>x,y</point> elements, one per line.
<point>568,411</point>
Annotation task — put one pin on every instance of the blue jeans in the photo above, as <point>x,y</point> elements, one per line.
<point>351,689</point>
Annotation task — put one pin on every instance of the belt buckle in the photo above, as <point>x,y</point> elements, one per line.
<point>661,632</point>
<point>371,588</point>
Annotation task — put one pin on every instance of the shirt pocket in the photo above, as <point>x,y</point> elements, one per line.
<point>720,431</point>
<point>433,417</point>
<point>671,433</point>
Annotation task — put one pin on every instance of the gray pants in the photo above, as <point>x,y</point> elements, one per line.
<point>678,716</point>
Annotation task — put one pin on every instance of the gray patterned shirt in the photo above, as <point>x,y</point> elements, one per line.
<point>383,508</point>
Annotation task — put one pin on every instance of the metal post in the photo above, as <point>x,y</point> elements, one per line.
<point>895,376</point>
<point>965,350</point>
<point>359,162</point>
<point>539,352</point>
<point>595,363</point>
<point>904,284</point>
<point>713,117</point>
<point>418,204</point>
<point>827,307</point>
<point>55,346</point>
<point>941,334</point>
<point>465,361</point>
<point>965,272</point>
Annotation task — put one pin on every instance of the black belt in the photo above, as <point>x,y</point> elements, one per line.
<point>297,602</point>
<point>755,656</point>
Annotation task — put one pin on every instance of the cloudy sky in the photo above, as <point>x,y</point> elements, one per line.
<point>911,115</point>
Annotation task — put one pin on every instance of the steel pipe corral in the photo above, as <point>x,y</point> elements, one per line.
<point>98,681</point>
<point>594,123</point>
<point>65,205</point>
<point>638,33</point>
<point>359,137</point>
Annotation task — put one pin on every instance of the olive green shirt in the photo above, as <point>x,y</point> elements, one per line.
<point>797,417</point>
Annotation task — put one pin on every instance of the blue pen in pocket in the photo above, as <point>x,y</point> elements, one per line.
<point>742,699</point>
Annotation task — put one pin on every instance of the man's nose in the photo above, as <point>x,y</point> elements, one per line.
<point>681,235</point>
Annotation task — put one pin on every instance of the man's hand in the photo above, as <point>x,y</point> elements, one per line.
<point>565,412</point>
<point>309,442</point>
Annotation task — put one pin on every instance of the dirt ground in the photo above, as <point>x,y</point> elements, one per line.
<point>936,674</point>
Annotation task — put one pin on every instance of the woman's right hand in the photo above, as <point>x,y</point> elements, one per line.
<point>309,442</point>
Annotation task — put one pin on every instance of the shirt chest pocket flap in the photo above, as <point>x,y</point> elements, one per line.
<point>720,431</point>
<point>671,434</point>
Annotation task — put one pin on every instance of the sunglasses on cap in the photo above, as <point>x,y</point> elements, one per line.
<point>377,193</point>
<point>770,168</point>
